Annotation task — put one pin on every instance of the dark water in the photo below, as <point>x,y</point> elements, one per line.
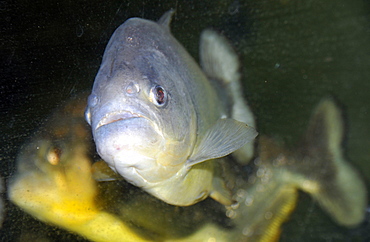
<point>293,54</point>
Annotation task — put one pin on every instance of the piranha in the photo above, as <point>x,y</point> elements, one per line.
<point>160,121</point>
<point>54,183</point>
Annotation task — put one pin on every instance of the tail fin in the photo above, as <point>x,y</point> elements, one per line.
<point>317,167</point>
<point>324,172</point>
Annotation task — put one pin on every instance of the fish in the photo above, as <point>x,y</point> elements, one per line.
<point>316,165</point>
<point>54,182</point>
<point>163,123</point>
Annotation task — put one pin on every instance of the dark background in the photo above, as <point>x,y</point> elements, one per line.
<point>293,53</point>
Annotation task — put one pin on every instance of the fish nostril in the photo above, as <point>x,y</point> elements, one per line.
<point>132,88</point>
<point>92,101</point>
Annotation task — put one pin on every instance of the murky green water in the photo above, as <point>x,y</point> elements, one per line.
<point>293,54</point>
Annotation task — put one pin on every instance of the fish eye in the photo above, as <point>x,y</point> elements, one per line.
<point>53,155</point>
<point>158,96</point>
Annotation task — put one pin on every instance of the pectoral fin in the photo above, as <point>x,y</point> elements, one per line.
<point>223,138</point>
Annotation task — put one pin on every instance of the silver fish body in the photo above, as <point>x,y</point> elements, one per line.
<point>155,115</point>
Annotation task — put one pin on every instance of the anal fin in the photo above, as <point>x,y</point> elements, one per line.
<point>220,192</point>
<point>222,183</point>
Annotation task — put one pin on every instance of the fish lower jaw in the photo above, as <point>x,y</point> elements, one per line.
<point>147,177</point>
<point>132,172</point>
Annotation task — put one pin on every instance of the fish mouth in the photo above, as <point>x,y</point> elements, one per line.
<point>117,116</point>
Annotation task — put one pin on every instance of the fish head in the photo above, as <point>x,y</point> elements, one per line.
<point>143,123</point>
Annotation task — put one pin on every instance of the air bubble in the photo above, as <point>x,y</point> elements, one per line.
<point>249,201</point>
<point>230,214</point>
<point>247,231</point>
<point>241,193</point>
<point>268,215</point>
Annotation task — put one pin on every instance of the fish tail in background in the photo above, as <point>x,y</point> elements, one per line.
<point>323,170</point>
<point>317,167</point>
<point>220,62</point>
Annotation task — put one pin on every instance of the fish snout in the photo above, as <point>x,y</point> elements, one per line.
<point>88,115</point>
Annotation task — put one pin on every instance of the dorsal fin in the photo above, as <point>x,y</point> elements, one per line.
<point>217,57</point>
<point>166,18</point>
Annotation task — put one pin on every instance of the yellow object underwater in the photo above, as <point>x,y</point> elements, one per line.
<point>54,181</point>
